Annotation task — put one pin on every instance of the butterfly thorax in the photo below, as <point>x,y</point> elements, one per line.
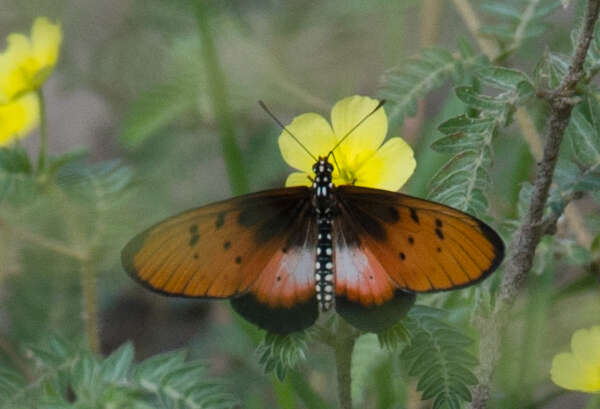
<point>323,202</point>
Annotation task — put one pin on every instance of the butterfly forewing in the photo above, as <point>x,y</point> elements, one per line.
<point>421,245</point>
<point>220,250</point>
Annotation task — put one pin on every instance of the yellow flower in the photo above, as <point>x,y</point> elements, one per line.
<point>362,158</point>
<point>27,62</point>
<point>18,118</point>
<point>579,369</point>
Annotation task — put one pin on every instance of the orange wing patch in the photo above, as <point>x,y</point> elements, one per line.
<point>219,250</point>
<point>423,246</point>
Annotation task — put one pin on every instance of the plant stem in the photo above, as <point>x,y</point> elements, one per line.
<point>90,310</point>
<point>217,88</point>
<point>43,131</point>
<point>343,362</point>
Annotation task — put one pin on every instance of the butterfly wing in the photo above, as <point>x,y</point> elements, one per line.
<point>282,299</point>
<point>252,246</point>
<point>387,240</point>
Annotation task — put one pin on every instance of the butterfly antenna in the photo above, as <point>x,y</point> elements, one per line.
<point>383,101</point>
<point>263,106</point>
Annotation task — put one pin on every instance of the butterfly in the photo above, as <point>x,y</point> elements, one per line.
<point>284,255</point>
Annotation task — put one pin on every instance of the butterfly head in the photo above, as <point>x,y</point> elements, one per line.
<point>322,166</point>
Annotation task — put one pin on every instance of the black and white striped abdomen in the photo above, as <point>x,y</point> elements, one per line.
<point>324,210</point>
<point>324,265</point>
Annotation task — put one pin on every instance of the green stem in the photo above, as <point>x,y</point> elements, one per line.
<point>90,310</point>
<point>343,346</point>
<point>217,88</point>
<point>43,131</point>
<point>343,363</point>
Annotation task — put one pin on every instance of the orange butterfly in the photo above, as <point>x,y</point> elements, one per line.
<point>282,255</point>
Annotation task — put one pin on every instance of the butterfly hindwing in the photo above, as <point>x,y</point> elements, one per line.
<point>220,250</point>
<point>422,246</point>
<point>282,299</point>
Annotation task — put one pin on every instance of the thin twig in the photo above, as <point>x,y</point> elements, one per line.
<point>529,233</point>
<point>473,23</point>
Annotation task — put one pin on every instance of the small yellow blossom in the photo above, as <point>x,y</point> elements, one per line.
<point>580,368</point>
<point>18,118</point>
<point>362,158</point>
<point>27,62</point>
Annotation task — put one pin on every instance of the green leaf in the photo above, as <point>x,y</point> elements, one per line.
<point>502,78</point>
<point>438,356</point>
<point>117,366</point>
<point>466,124</point>
<point>57,162</point>
<point>515,24</point>
<point>551,69</point>
<point>393,337</point>
<point>584,136</point>
<point>404,86</point>
<point>154,110</point>
<point>280,353</point>
<point>15,160</point>
<point>481,102</point>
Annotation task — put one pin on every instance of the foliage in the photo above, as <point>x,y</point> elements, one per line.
<point>462,181</point>
<point>438,355</point>
<point>518,21</point>
<point>280,353</point>
<point>405,85</point>
<point>70,377</point>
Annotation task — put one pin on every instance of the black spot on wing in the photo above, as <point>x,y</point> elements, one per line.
<point>227,245</point>
<point>238,260</point>
<point>194,229</point>
<point>439,233</point>
<point>411,240</point>
<point>402,256</point>
<point>220,220</point>
<point>193,240</point>
<point>414,215</point>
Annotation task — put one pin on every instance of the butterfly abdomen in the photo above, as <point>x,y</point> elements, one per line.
<point>323,203</point>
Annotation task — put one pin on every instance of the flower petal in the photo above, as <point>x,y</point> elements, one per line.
<point>18,118</point>
<point>585,344</point>
<point>566,371</point>
<point>365,139</point>
<point>45,38</point>
<point>14,67</point>
<point>389,168</point>
<point>298,179</point>
<point>315,134</point>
